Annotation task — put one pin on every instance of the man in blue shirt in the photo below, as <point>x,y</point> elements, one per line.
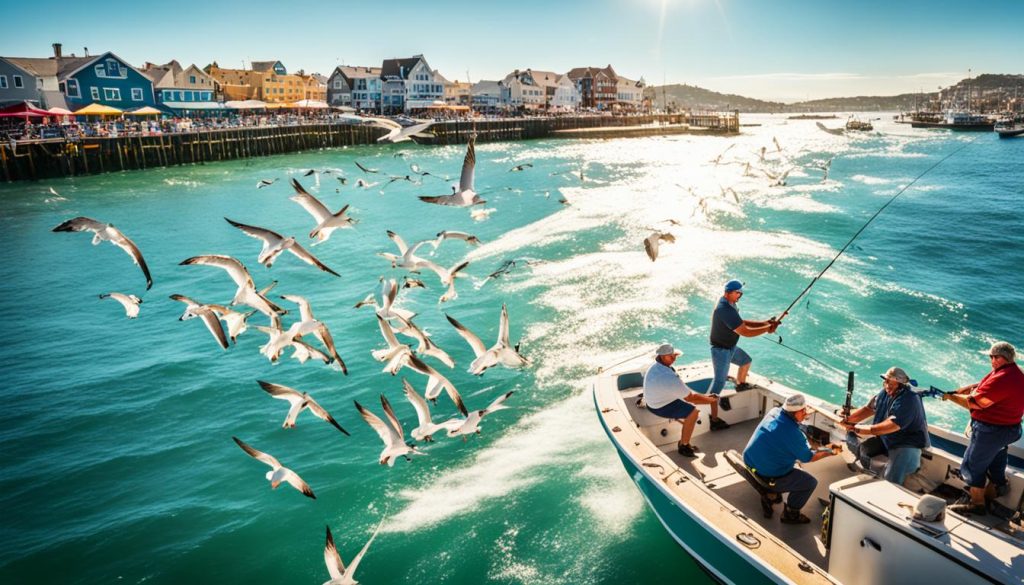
<point>726,328</point>
<point>775,446</point>
<point>667,396</point>
<point>898,428</point>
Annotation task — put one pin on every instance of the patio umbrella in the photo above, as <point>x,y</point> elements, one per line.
<point>98,110</point>
<point>145,111</point>
<point>23,110</point>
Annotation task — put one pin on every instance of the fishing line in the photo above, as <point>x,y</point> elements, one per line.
<point>863,227</point>
<point>805,354</point>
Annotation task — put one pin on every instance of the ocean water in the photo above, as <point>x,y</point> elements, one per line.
<point>118,464</point>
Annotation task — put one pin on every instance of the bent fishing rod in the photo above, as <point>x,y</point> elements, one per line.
<point>863,227</point>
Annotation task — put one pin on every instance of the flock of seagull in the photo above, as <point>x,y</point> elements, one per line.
<point>406,345</point>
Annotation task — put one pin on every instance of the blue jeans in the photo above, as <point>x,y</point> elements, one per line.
<point>985,457</point>
<point>902,460</point>
<point>800,486</point>
<point>720,360</point>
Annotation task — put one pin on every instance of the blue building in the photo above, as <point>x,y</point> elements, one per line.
<point>105,79</point>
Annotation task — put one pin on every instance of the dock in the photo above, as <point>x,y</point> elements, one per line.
<point>68,157</point>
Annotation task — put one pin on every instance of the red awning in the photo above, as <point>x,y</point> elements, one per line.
<point>23,110</point>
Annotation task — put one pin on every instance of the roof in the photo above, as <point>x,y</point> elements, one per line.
<point>263,65</point>
<point>399,67</point>
<point>486,86</point>
<point>45,67</point>
<point>583,72</point>
<point>358,72</point>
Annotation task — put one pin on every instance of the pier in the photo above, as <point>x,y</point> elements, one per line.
<point>62,157</point>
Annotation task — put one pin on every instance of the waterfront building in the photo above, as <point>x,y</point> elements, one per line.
<point>457,93</point>
<point>487,97</point>
<point>355,87</point>
<point>566,97</point>
<point>409,84</point>
<point>22,81</point>
<point>523,91</point>
<point>315,86</point>
<point>268,81</point>
<point>104,79</point>
<point>629,95</point>
<point>598,88</point>
<point>181,88</point>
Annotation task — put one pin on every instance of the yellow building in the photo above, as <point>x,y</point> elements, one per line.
<point>268,81</point>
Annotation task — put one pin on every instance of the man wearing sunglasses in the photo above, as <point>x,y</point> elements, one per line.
<point>997,406</point>
<point>726,328</point>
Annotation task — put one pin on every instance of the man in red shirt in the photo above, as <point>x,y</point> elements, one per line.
<point>997,406</point>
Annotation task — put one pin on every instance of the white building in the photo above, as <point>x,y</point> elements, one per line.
<point>567,96</point>
<point>629,94</point>
<point>410,84</point>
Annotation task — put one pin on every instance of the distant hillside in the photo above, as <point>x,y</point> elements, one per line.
<point>989,91</point>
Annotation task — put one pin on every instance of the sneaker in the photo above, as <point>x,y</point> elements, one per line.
<point>687,451</point>
<point>969,509</point>
<point>718,424</point>
<point>724,403</point>
<point>744,386</point>
<point>767,506</point>
<point>791,516</point>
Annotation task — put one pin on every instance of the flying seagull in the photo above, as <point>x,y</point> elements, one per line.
<point>339,574</point>
<point>326,222</point>
<point>265,183</point>
<point>105,232</point>
<point>246,293</point>
<point>364,169</point>
<point>501,352</point>
<point>521,167</point>
<point>435,382</point>
<point>274,244</point>
<point>195,309</point>
<point>299,401</point>
<point>278,472</point>
<point>651,243</point>
<point>129,302</point>
<point>322,333</point>
<point>472,423</point>
<point>465,195</point>
<point>427,427</point>
<point>390,433</point>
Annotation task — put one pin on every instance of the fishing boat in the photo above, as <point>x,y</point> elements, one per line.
<point>957,120</point>
<point>863,531</point>
<point>858,125</point>
<point>1010,127</point>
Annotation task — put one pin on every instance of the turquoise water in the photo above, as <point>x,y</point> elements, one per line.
<point>118,464</point>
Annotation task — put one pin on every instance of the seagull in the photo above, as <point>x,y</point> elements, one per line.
<point>671,221</point>
<point>412,283</point>
<point>236,322</point>
<point>278,472</point>
<point>326,222</point>
<point>521,167</point>
<point>502,352</point>
<point>465,195</point>
<point>196,309</point>
<point>342,180</point>
<point>780,180</point>
<point>472,423</point>
<point>309,173</point>
<point>718,159</point>
<point>105,232</point>
<point>778,147</point>
<point>366,170</point>
<point>322,333</point>
<point>416,169</point>
<point>505,268</point>
<point>399,134</point>
<point>727,190</point>
<point>339,574</point>
<point>280,339</point>
<point>274,244</point>
<point>299,401</point>
<point>390,432</point>
<point>407,258</point>
<point>396,353</point>
<point>265,183</point>
<point>427,427</point>
<point>435,382</point>
<point>246,293</point>
<point>426,346</point>
<point>129,302</point>
<point>447,277</point>
<point>651,243</point>
<point>383,298</point>
<point>396,178</point>
<point>364,185</point>
<point>453,235</point>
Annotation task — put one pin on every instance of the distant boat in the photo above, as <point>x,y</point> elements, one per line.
<point>858,126</point>
<point>956,120</point>
<point>1010,127</point>
<point>814,117</point>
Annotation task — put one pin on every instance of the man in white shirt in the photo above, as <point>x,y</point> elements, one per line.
<point>667,396</point>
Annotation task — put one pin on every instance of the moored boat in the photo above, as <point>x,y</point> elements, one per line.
<point>959,121</point>
<point>858,125</point>
<point>1010,127</point>
<point>867,533</point>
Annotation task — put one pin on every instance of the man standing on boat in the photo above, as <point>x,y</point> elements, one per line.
<point>771,453</point>
<point>726,328</point>
<point>997,406</point>
<point>668,397</point>
<point>898,428</point>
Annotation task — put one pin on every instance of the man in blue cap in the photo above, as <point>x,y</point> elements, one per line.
<point>726,328</point>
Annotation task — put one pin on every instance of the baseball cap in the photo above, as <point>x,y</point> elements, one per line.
<point>733,285</point>
<point>667,349</point>
<point>795,403</point>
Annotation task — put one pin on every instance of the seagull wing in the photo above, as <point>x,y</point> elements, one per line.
<point>308,258</point>
<point>468,167</point>
<point>387,332</point>
<point>282,392</point>
<point>503,327</point>
<point>298,483</point>
<point>320,413</point>
<point>651,246</point>
<point>473,341</point>
<point>81,224</point>
<point>350,574</point>
<point>422,367</point>
<point>123,242</point>
<point>384,431</point>
<point>397,239</point>
<point>258,455</point>
<point>235,269</point>
<point>364,169</point>
<point>418,403</point>
<point>310,203</point>
<point>392,419</point>
<point>332,559</point>
<point>498,403</point>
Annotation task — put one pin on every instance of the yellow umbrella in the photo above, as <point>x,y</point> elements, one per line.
<point>145,111</point>
<point>98,110</point>
<point>278,106</point>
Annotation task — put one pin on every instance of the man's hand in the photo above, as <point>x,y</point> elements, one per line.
<point>836,448</point>
<point>773,324</point>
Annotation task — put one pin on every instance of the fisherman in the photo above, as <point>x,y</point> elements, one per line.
<point>770,454</point>
<point>898,428</point>
<point>726,328</point>
<point>997,406</point>
<point>668,397</point>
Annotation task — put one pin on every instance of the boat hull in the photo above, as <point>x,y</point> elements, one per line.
<point>956,127</point>
<point>1011,133</point>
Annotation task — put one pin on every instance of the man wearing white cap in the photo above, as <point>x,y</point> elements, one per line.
<point>997,406</point>
<point>771,453</point>
<point>668,397</point>
<point>898,429</point>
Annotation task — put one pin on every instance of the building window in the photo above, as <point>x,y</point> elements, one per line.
<point>136,94</point>
<point>18,82</point>
<point>101,71</point>
<point>114,69</point>
<point>95,93</point>
<point>112,94</point>
<point>192,79</point>
<point>72,89</point>
<point>3,82</point>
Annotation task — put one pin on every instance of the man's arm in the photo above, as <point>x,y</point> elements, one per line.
<point>857,416</point>
<point>698,398</point>
<point>754,328</point>
<point>958,399</point>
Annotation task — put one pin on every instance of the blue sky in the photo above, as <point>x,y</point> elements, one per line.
<point>782,50</point>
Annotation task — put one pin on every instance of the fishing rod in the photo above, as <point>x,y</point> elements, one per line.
<point>866,224</point>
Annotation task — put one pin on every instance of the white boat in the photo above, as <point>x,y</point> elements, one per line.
<point>862,529</point>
